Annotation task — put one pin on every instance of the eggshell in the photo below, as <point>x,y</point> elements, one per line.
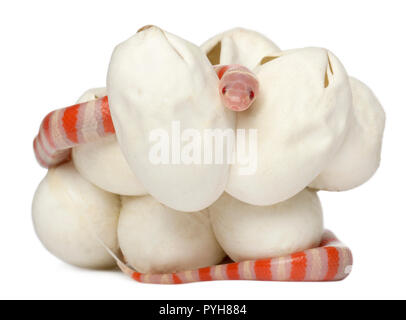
<point>301,119</point>
<point>93,94</point>
<point>157,239</point>
<point>238,46</point>
<point>249,232</point>
<point>156,80</point>
<point>359,156</point>
<point>71,216</point>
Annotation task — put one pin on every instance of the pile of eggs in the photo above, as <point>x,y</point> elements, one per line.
<point>318,129</point>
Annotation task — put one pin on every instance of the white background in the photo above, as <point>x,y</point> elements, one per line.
<point>52,51</point>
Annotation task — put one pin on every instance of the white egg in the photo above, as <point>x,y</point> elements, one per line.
<point>93,94</point>
<point>71,216</point>
<point>158,84</point>
<point>359,156</point>
<point>300,118</point>
<point>102,162</point>
<point>249,232</point>
<point>238,46</point>
<point>157,239</point>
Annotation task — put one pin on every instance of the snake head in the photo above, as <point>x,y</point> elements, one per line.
<point>238,88</point>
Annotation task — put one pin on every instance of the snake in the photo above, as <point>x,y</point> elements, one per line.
<point>238,87</point>
<point>65,128</point>
<point>331,261</point>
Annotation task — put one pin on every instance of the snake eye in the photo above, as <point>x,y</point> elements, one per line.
<point>252,94</point>
<point>224,90</point>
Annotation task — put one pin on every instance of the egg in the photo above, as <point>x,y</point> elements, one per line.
<point>299,121</point>
<point>248,232</point>
<point>158,239</point>
<point>102,162</point>
<point>359,156</point>
<point>160,86</point>
<point>238,46</point>
<point>72,218</point>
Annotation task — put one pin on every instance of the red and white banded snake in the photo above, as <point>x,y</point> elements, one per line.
<point>331,261</point>
<point>65,128</point>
